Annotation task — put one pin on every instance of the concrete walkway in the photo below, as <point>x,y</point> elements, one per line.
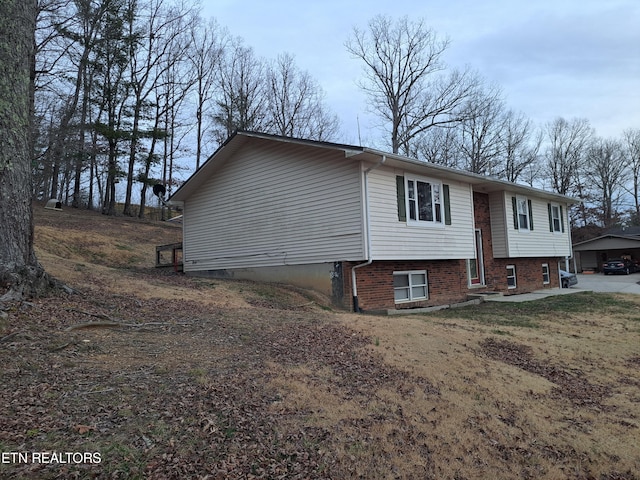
<point>586,283</point>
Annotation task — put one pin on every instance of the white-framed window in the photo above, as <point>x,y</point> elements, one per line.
<point>424,201</point>
<point>546,279</point>
<point>556,220</point>
<point>523,213</point>
<point>410,286</point>
<point>511,276</point>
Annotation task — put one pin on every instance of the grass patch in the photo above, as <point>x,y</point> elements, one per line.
<point>527,314</point>
<point>500,332</point>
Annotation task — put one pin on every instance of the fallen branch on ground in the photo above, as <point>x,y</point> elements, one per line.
<point>97,315</point>
<point>10,336</point>
<point>116,325</point>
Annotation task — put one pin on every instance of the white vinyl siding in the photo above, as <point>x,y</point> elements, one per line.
<point>537,242</point>
<point>275,204</point>
<point>392,239</point>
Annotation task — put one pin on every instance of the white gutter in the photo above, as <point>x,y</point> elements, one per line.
<point>354,283</point>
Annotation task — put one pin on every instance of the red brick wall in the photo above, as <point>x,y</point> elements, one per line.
<point>447,279</point>
<point>447,282</point>
<point>528,270</point>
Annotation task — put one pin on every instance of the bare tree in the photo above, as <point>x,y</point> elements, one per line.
<point>568,141</point>
<point>631,145</point>
<point>295,105</point>
<point>241,104</point>
<point>604,171</point>
<point>520,145</point>
<point>207,46</point>
<point>480,131</point>
<point>20,273</point>
<point>112,92</point>
<point>177,83</point>
<point>154,30</point>
<point>438,145</point>
<point>405,78</point>
<point>90,16</point>
<point>66,36</point>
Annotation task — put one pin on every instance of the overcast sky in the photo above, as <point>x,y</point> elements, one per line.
<point>568,58</point>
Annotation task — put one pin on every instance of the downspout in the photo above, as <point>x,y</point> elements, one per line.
<point>354,283</point>
<point>571,252</point>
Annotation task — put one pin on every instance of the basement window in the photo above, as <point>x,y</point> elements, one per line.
<point>545,274</point>
<point>410,286</point>
<point>511,276</point>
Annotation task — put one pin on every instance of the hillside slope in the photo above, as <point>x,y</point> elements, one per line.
<point>86,249</point>
<point>157,375</point>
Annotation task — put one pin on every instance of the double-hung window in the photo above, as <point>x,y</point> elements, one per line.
<point>424,201</point>
<point>522,213</point>
<point>546,279</point>
<point>556,220</point>
<point>410,286</point>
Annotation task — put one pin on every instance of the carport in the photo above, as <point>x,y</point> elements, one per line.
<point>590,254</point>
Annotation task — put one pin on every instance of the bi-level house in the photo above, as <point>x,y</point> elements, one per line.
<point>373,230</point>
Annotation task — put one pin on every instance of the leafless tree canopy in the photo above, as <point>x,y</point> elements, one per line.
<point>406,80</point>
<point>128,91</point>
<point>604,172</point>
<point>567,142</point>
<point>631,153</point>
<point>296,103</point>
<point>520,144</point>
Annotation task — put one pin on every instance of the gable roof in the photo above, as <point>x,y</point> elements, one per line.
<point>481,183</point>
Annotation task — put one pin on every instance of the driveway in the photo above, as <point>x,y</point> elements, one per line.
<point>596,282</point>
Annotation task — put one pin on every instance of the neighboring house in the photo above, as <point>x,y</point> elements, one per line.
<point>591,254</point>
<point>371,229</point>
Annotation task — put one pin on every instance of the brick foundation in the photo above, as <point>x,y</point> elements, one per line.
<point>448,279</point>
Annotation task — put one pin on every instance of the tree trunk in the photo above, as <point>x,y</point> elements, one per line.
<point>20,273</point>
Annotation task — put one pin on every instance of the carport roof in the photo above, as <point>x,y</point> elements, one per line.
<point>607,242</point>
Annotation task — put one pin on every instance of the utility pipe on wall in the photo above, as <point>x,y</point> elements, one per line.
<point>354,283</point>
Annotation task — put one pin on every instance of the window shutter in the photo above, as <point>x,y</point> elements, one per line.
<point>550,217</point>
<point>447,205</point>
<point>402,206</point>
<point>514,204</point>
<point>561,219</point>
<point>530,215</point>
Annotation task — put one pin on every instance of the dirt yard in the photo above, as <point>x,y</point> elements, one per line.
<point>145,373</point>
